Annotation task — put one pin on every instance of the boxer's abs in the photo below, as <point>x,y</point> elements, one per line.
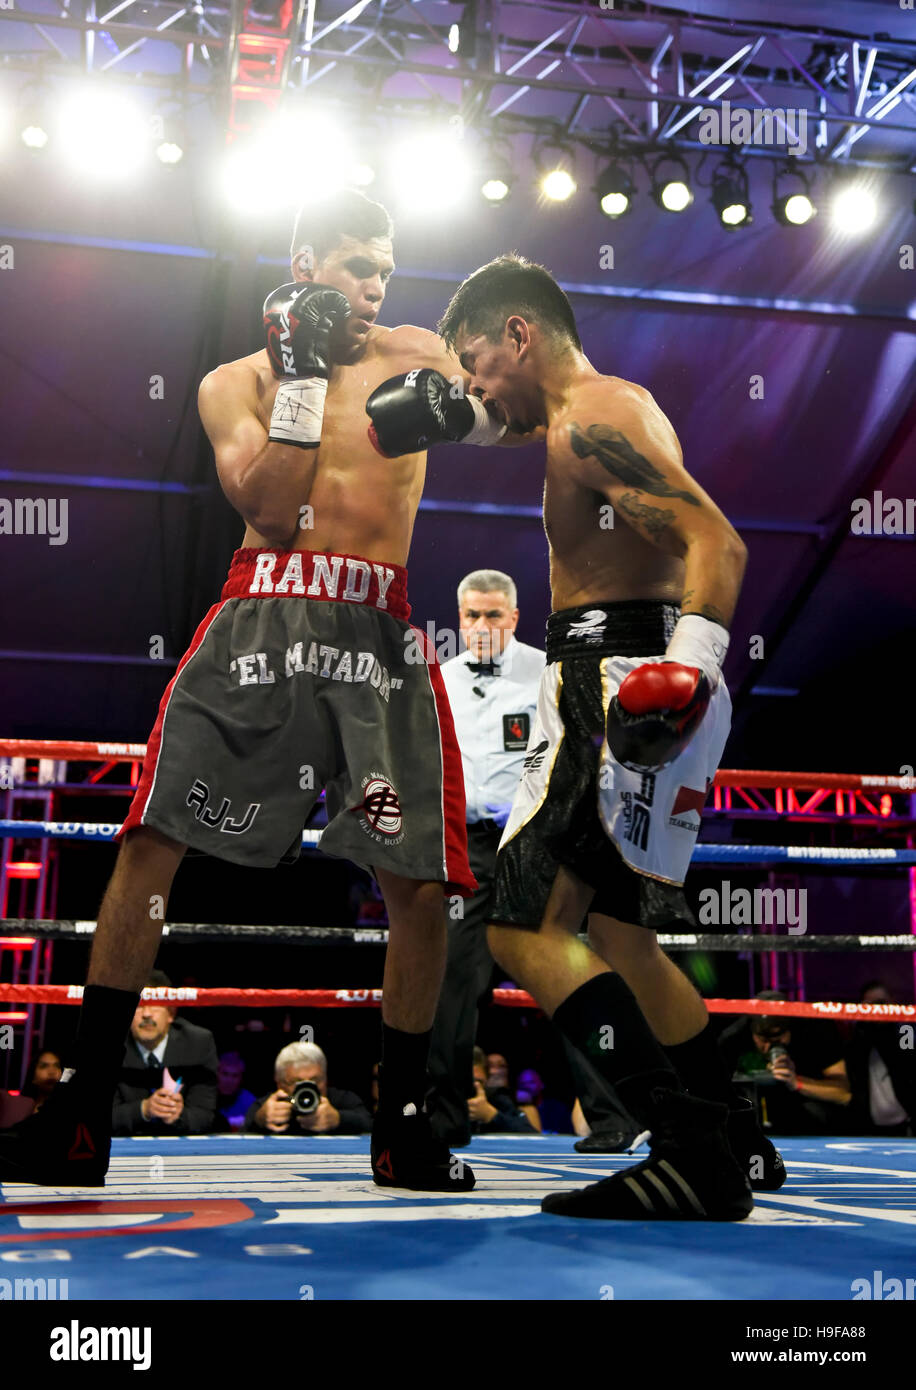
<point>595,557</point>
<point>359,503</point>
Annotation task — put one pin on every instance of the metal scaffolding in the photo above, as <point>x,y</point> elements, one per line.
<point>607,74</point>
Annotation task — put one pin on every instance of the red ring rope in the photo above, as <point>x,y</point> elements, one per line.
<point>725,777</point>
<point>193,996</point>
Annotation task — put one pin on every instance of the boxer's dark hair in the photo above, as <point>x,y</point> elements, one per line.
<point>509,285</point>
<point>321,224</point>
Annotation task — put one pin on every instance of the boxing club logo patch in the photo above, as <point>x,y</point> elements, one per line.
<point>516,728</point>
<point>380,810</point>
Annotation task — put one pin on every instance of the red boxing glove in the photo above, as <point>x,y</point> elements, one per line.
<point>655,714</point>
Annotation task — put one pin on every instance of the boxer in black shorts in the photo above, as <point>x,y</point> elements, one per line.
<point>305,675</point>
<point>632,721</point>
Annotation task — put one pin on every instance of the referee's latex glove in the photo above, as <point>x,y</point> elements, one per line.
<point>500,814</point>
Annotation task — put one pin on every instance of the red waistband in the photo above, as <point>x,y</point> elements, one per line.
<point>314,574</point>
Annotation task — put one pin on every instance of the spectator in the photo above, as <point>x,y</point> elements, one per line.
<point>44,1077</point>
<point>492,1110</point>
<point>168,1075</point>
<point>797,1067</point>
<point>46,1073</point>
<point>498,1071</point>
<point>882,1072</point>
<point>233,1099</point>
<point>545,1113</point>
<point>339,1112</point>
<point>13,1108</point>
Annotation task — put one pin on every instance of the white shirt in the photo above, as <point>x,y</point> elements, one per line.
<point>493,718</point>
<point>882,1098</point>
<point>158,1052</point>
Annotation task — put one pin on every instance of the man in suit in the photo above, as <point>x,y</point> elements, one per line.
<point>881,1066</point>
<point>147,1101</point>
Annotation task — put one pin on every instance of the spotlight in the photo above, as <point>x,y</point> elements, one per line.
<point>361,175</point>
<point>430,172</point>
<point>615,191</point>
<point>34,137</point>
<point>853,208</point>
<point>103,135</point>
<point>672,190</point>
<point>497,174</point>
<point>168,133</point>
<point>293,157</point>
<point>33,127</point>
<point>730,196</point>
<point>558,185</point>
<point>168,153</point>
<point>554,161</point>
<point>495,190</point>
<point>792,208</point>
<point>462,37</point>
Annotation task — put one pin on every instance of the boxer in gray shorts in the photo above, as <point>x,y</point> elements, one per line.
<point>306,674</point>
<point>301,679</point>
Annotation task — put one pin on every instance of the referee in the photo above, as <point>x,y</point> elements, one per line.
<point>492,688</point>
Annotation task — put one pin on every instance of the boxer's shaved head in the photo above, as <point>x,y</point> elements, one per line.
<point>510,285</point>
<point>322,224</point>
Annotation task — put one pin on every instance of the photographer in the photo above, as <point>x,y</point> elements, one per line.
<point>798,1071</point>
<point>313,1109</point>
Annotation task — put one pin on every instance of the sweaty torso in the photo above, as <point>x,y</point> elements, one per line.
<point>595,555</point>
<point>360,503</point>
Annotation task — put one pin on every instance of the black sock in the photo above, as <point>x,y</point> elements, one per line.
<point>603,1019</point>
<point>105,1019</point>
<point>699,1064</point>
<point>403,1073</point>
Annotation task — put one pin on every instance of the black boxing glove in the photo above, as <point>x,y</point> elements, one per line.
<point>412,412</point>
<point>299,320</point>
<point>659,705</point>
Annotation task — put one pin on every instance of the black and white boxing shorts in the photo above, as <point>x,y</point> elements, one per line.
<point>629,835</point>
<point>308,675</point>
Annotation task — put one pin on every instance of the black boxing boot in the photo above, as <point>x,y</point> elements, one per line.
<point>605,1141</point>
<point>406,1153</point>
<point>66,1143</point>
<point>753,1151</point>
<point>690,1174</point>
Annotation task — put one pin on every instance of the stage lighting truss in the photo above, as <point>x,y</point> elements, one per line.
<point>532,65</point>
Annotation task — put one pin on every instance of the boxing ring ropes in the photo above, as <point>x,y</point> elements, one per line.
<point>36,770</point>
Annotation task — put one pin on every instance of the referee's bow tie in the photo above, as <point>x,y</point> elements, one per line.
<point>484,668</point>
